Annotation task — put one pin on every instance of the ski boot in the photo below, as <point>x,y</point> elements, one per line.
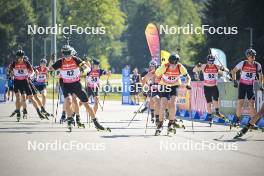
<point>177,125</point>
<point>159,128</point>
<point>243,131</point>
<point>70,123</point>
<point>100,127</point>
<point>63,118</point>
<point>235,124</point>
<point>73,122</point>
<point>24,114</point>
<point>18,115</point>
<point>43,111</point>
<point>210,121</point>
<point>41,116</point>
<point>78,121</point>
<point>171,128</point>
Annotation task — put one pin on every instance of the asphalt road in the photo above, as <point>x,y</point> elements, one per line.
<point>35,147</point>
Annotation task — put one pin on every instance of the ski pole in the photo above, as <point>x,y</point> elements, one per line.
<point>135,114</point>
<point>107,82</point>
<point>147,121</point>
<point>57,104</point>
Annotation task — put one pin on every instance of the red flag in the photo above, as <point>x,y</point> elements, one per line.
<point>153,40</point>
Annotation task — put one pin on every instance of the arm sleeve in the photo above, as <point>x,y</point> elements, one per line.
<point>259,68</point>
<point>57,64</point>
<point>239,65</point>
<point>79,61</point>
<point>160,70</point>
<point>29,67</point>
<point>183,70</point>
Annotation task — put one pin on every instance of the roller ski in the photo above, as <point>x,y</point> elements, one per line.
<point>243,131</point>
<point>171,131</point>
<point>43,111</point>
<point>14,113</point>
<point>41,116</point>
<point>78,121</point>
<point>70,123</point>
<point>211,121</point>
<point>159,128</point>
<point>178,125</point>
<point>18,116</point>
<point>100,127</point>
<point>235,124</point>
<point>171,128</point>
<point>73,115</point>
<point>63,118</point>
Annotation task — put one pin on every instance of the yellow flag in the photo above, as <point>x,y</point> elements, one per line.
<point>164,55</point>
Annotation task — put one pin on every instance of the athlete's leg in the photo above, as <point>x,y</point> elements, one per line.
<point>96,103</point>
<point>44,94</point>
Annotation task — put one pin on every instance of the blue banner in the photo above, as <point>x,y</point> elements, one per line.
<point>2,84</point>
<point>125,86</point>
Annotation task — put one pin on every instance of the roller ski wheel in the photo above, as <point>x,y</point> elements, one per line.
<point>234,125</point>
<point>69,124</point>
<point>46,113</point>
<point>210,122</point>
<point>107,129</point>
<point>63,119</point>
<point>177,125</point>
<point>100,127</point>
<point>79,124</point>
<point>158,131</point>
<point>242,132</point>
<point>18,117</point>
<point>13,113</point>
<point>24,116</point>
<point>171,131</point>
<point>41,116</point>
<point>239,135</point>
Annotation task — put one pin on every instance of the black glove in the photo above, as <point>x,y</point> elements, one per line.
<point>261,88</point>
<point>222,68</point>
<point>188,87</point>
<point>235,84</point>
